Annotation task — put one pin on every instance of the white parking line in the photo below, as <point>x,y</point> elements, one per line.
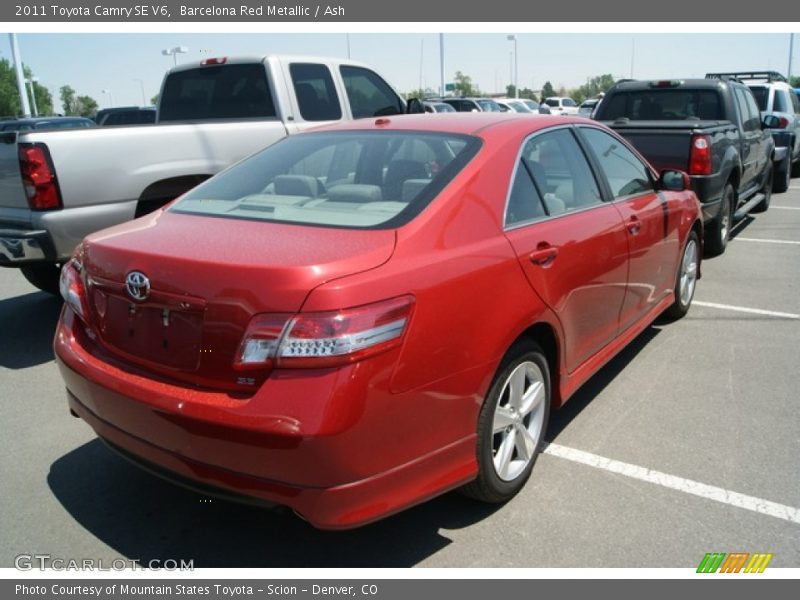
<point>744,309</point>
<point>791,242</point>
<point>786,207</point>
<point>688,486</point>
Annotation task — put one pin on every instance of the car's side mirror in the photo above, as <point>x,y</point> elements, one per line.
<point>414,106</point>
<point>673,181</point>
<point>771,122</point>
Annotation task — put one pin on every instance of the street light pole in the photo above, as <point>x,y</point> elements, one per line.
<point>513,38</point>
<point>110,97</point>
<point>31,81</point>
<point>23,94</point>
<point>173,52</point>
<point>141,87</point>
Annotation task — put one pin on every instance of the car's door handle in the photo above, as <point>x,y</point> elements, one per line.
<point>544,255</point>
<point>634,225</point>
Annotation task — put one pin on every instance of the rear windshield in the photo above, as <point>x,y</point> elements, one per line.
<point>217,92</point>
<point>662,105</point>
<point>358,179</point>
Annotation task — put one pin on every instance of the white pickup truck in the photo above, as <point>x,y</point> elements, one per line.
<point>58,186</point>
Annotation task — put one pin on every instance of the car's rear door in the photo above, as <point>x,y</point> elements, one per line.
<point>571,244</point>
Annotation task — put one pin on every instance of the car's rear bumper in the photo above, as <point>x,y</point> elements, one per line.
<point>20,247</point>
<point>320,466</point>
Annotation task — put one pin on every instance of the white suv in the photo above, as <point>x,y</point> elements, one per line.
<point>562,106</point>
<point>776,97</point>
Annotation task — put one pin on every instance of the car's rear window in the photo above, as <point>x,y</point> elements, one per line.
<point>354,179</point>
<point>217,92</point>
<point>663,105</point>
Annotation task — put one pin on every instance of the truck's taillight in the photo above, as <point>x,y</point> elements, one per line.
<point>324,339</point>
<point>73,289</point>
<point>700,156</point>
<point>214,61</point>
<point>38,177</point>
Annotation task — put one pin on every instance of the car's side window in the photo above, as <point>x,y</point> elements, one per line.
<point>795,103</point>
<point>626,174</point>
<point>369,95</point>
<point>315,92</point>
<point>524,202</point>
<point>562,175</point>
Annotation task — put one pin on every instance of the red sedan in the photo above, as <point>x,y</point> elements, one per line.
<point>365,316</point>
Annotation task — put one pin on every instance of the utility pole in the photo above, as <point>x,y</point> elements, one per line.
<point>21,86</point>
<point>791,50</point>
<point>441,62</point>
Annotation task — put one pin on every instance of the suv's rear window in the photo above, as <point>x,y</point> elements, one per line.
<point>217,92</point>
<point>357,179</point>
<point>663,105</point>
<point>761,94</point>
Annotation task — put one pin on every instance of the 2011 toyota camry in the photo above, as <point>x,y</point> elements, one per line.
<point>365,316</point>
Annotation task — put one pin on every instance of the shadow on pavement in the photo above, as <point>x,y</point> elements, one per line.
<point>27,326</point>
<point>142,517</point>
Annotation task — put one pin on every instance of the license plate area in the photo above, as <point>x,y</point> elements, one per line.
<point>153,333</point>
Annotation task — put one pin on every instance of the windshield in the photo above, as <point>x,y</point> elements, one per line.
<point>354,179</point>
<point>489,106</point>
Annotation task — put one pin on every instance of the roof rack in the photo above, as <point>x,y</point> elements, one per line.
<point>768,76</point>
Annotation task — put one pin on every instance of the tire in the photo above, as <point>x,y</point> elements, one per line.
<point>686,279</point>
<point>512,424</point>
<point>766,189</point>
<point>719,230</point>
<point>44,277</point>
<point>783,175</point>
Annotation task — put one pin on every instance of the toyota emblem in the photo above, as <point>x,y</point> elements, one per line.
<point>138,285</point>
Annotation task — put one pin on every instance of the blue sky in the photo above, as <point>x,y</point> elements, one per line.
<point>93,62</point>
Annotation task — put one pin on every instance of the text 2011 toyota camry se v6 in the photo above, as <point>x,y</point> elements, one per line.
<point>362,317</point>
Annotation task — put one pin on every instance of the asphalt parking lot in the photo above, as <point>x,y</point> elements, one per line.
<point>686,443</point>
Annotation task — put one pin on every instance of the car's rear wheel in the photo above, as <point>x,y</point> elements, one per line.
<point>719,229</point>
<point>512,424</point>
<point>687,278</point>
<point>44,277</point>
<point>783,175</point>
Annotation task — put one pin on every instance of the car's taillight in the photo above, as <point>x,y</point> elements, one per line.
<point>700,157</point>
<point>38,177</point>
<point>324,339</point>
<point>73,289</point>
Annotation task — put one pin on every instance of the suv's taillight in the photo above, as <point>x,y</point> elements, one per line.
<point>700,156</point>
<point>38,177</point>
<point>73,289</point>
<point>783,122</point>
<point>324,339</point>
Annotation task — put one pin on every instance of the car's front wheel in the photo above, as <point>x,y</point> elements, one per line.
<point>512,424</point>
<point>687,278</point>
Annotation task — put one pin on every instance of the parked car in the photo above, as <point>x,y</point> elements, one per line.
<point>210,114</point>
<point>513,105</point>
<point>561,106</point>
<point>710,128</point>
<point>37,123</point>
<point>542,109</point>
<point>587,107</point>
<point>776,97</point>
<point>308,351</point>
<point>437,107</point>
<point>126,115</point>
<point>473,104</point>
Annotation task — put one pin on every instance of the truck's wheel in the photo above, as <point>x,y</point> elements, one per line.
<point>44,277</point>
<point>719,229</point>
<point>512,424</point>
<point>766,189</point>
<point>783,175</point>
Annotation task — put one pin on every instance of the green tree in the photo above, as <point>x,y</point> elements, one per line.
<point>463,84</point>
<point>44,101</point>
<point>9,96</point>
<point>510,90</point>
<point>592,87</point>
<point>154,100</point>
<point>67,95</point>
<point>795,81</point>
<point>86,106</point>
<point>528,93</point>
<point>547,90</point>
